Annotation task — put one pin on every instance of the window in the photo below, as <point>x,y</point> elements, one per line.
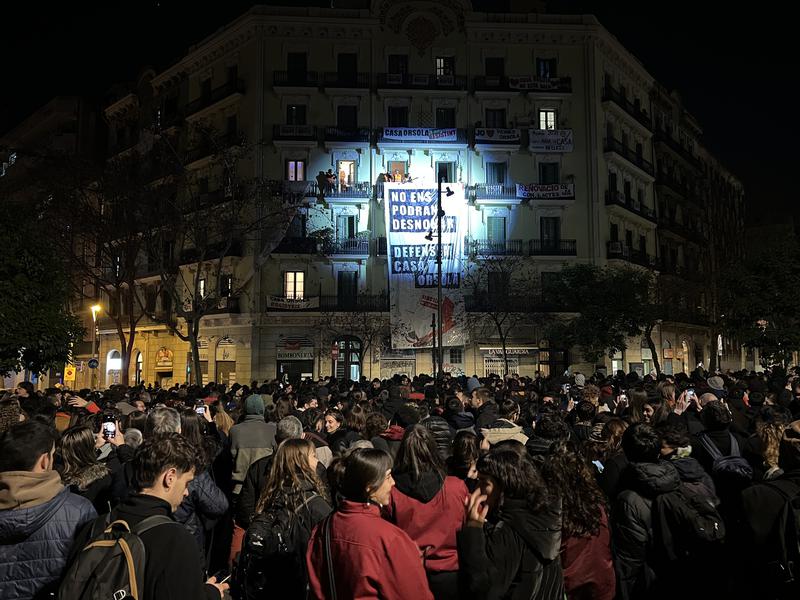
<point>295,170</point>
<point>205,88</point>
<point>626,188</point>
<point>225,285</point>
<point>497,283</point>
<point>495,66</point>
<point>445,65</point>
<point>398,64</point>
<point>294,285</point>
<point>629,238</point>
<point>397,116</point>
<point>614,232</point>
<point>546,67</point>
<point>201,288</point>
<point>345,227</point>
<point>347,64</point>
<point>445,117</point>
<point>347,116</point>
<point>296,114</point>
<point>496,229</point>
<point>231,125</point>
<point>642,244</point>
<point>550,230</point>
<point>612,183</point>
<point>496,118</point>
<point>233,73</point>
<point>548,173</point>
<point>445,171</point>
<point>547,118</point>
<point>347,287</point>
<point>496,172</point>
<point>297,64</point>
<point>456,356</point>
<point>640,196</point>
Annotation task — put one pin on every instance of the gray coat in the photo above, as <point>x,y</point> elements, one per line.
<point>251,440</point>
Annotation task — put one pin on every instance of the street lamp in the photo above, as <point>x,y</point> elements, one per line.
<point>439,215</point>
<point>96,308</point>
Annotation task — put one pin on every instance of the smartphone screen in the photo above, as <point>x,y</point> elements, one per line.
<point>200,409</point>
<point>109,429</point>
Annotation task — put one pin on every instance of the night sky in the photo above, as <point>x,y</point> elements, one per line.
<point>735,70</point>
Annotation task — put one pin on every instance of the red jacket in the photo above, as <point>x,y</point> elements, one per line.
<point>372,558</point>
<point>432,524</point>
<point>588,567</point>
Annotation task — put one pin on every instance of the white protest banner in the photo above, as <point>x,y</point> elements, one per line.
<point>497,135</point>
<point>550,140</point>
<point>292,304</point>
<point>544,191</point>
<point>419,134</point>
<point>410,217</point>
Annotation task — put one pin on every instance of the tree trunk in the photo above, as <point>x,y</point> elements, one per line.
<point>648,334</point>
<point>194,331</point>
<point>124,375</point>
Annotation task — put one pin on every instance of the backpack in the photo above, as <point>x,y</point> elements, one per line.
<point>729,471</point>
<point>273,554</point>
<point>686,522</point>
<point>111,566</point>
<point>783,568</point>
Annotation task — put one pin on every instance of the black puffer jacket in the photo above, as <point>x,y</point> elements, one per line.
<point>39,519</point>
<point>487,414</point>
<point>632,524</point>
<point>515,559</point>
<point>204,504</point>
<point>441,433</point>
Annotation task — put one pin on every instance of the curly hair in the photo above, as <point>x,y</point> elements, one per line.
<point>579,513</point>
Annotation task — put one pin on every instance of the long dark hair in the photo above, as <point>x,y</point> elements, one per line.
<point>418,453</point>
<point>77,450</point>
<point>515,475</point>
<point>579,507</point>
<point>364,472</point>
<point>194,430</point>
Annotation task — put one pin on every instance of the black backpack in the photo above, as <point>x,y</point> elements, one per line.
<point>783,543</point>
<point>686,523</point>
<point>728,471</point>
<point>111,566</point>
<point>272,561</point>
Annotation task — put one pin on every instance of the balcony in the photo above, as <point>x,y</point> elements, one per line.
<point>361,190</point>
<point>669,180</point>
<point>497,83</point>
<point>296,245</point>
<point>421,81</point>
<point>299,79</point>
<point>613,145</point>
<point>619,251</point>
<point>347,247</point>
<point>615,198</point>
<point>217,145</point>
<point>687,232</point>
<point>300,133</point>
<point>665,137</point>
<point>347,134</point>
<point>346,80</point>
<point>217,94</point>
<point>421,135</point>
<point>492,191</point>
<point>504,302</point>
<point>360,303</point>
<point>633,109</point>
<point>553,247</point>
<point>229,305</point>
<point>484,247</point>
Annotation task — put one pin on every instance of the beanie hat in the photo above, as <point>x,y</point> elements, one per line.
<point>472,384</point>
<point>254,405</point>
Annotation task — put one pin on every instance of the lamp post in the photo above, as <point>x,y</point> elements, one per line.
<point>96,308</point>
<point>439,215</point>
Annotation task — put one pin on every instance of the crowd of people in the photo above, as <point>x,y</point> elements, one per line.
<point>578,487</point>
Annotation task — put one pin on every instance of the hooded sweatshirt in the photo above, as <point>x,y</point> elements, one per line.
<point>39,519</point>
<point>516,558</point>
<point>431,511</point>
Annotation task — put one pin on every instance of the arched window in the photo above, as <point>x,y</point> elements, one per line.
<point>139,368</point>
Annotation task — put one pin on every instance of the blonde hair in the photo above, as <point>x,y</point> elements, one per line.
<point>223,420</point>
